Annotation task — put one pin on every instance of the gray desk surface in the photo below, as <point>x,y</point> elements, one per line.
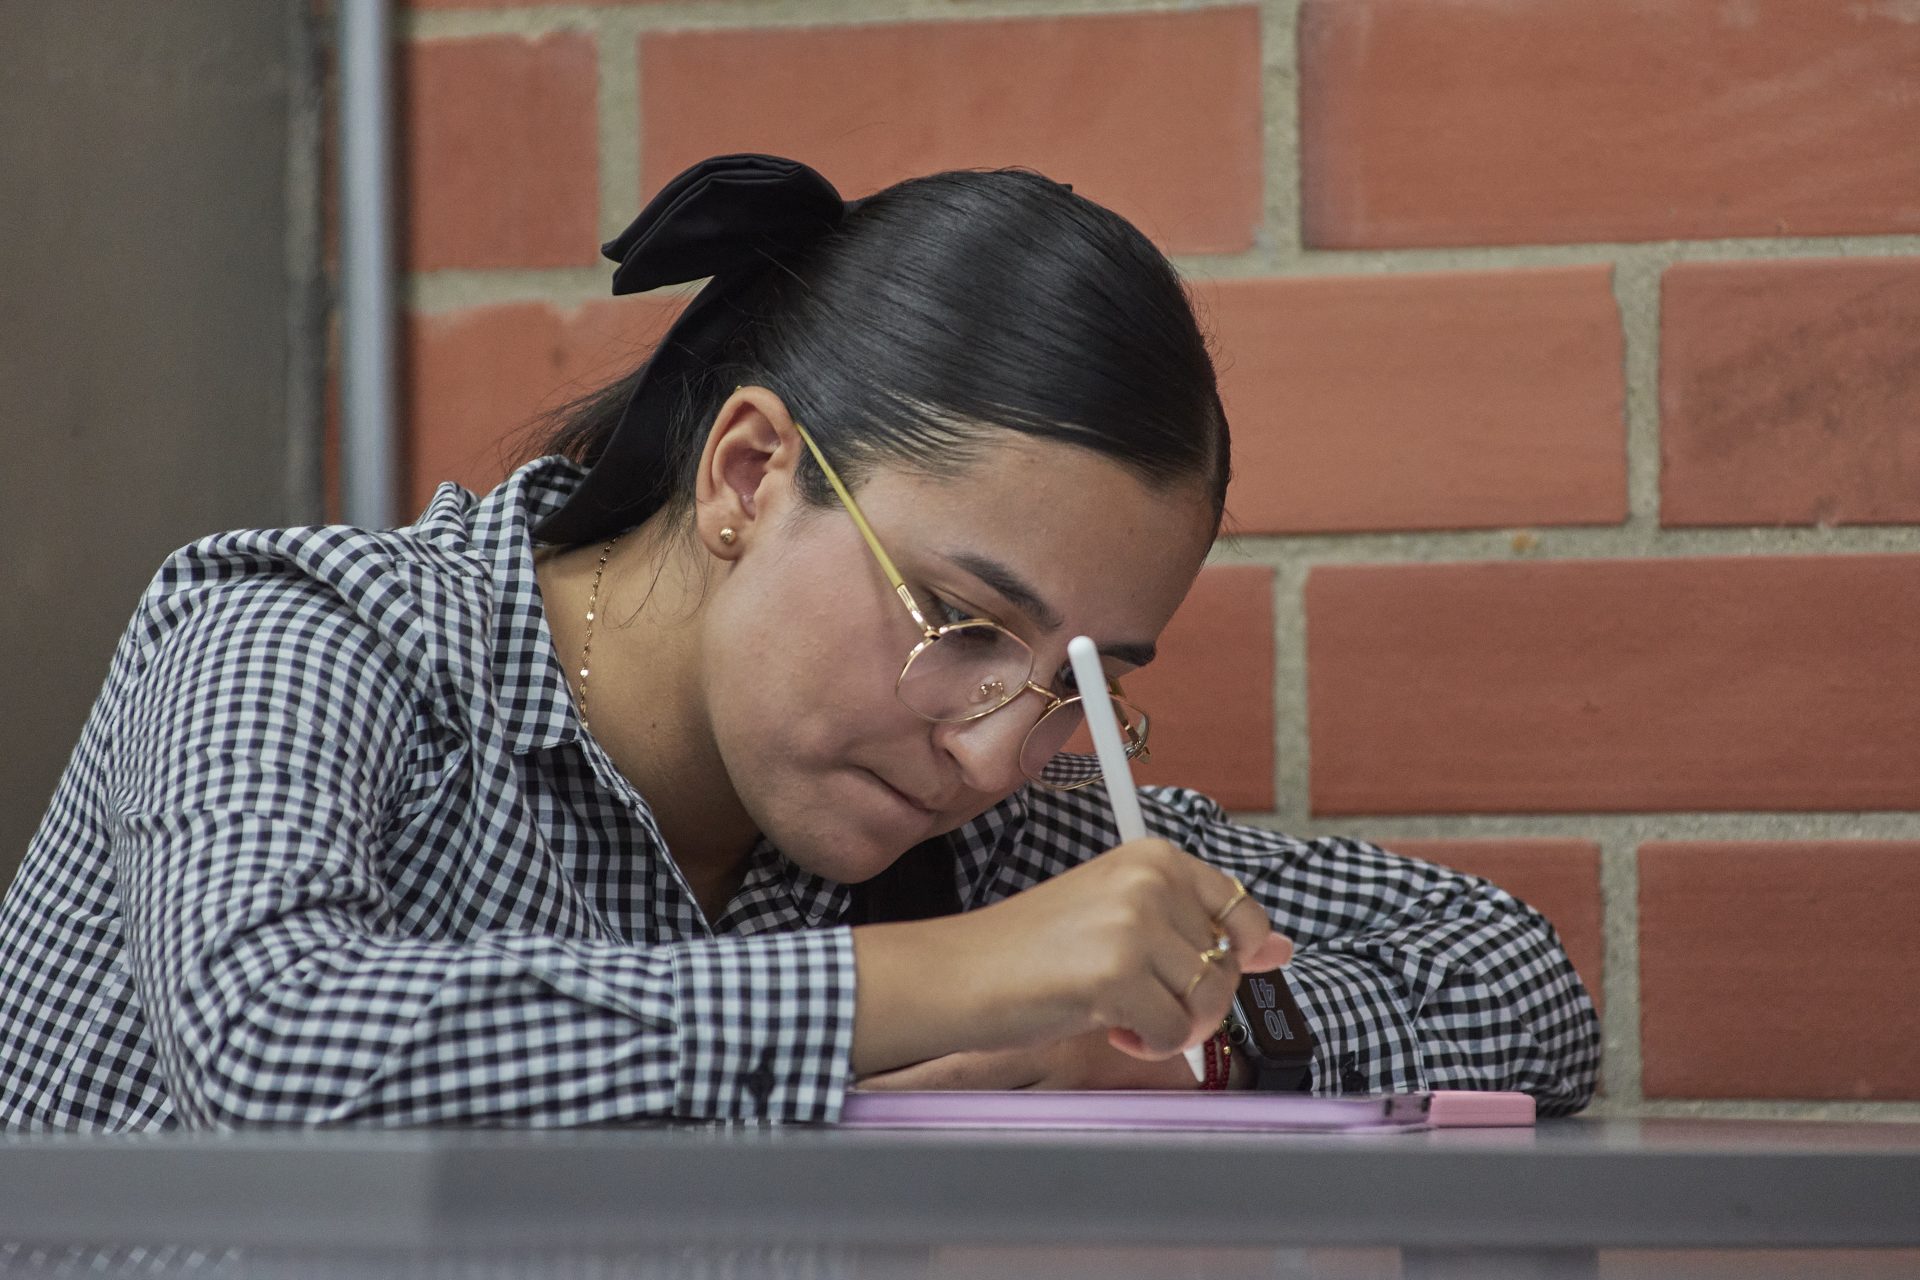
<point>1595,1184</point>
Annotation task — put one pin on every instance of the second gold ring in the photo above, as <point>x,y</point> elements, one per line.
<point>1220,916</point>
<point>1208,958</point>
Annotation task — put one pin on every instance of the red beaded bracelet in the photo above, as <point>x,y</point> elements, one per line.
<point>1217,1055</point>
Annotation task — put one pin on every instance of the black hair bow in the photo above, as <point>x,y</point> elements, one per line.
<point>730,218</point>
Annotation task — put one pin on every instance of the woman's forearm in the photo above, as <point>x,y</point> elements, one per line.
<point>916,996</point>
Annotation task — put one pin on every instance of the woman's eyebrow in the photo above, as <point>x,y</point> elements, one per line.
<point>1016,591</point>
<point>1134,655</point>
<point>1011,586</point>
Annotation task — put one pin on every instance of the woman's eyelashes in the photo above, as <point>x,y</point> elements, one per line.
<point>947,614</point>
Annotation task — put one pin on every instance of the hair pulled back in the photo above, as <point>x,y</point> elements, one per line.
<point>945,308</point>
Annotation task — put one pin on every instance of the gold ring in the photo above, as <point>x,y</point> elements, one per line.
<point>1208,958</point>
<point>1220,916</point>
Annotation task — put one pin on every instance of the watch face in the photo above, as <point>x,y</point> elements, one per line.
<point>1268,1010</point>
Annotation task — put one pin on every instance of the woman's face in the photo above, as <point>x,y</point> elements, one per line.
<point>804,637</point>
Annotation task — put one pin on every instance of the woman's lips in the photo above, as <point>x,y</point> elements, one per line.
<point>903,797</point>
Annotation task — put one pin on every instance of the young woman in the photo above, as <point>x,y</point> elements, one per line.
<point>712,763</point>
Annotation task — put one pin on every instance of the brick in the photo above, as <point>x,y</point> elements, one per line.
<point>1766,682</point>
<point>1558,878</point>
<point>1789,392</point>
<point>477,378</point>
<point>1423,401</point>
<point>501,152</point>
<point>1155,114</point>
<point>1210,690</point>
<point>1452,122</point>
<point>1779,970</point>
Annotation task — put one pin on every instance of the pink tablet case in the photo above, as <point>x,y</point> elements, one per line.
<point>1142,1109</point>
<point>1470,1109</point>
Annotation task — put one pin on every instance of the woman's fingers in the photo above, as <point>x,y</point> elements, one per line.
<point>1195,986</point>
<point>1202,922</point>
<point>1271,954</point>
<point>1220,908</point>
<point>1233,912</point>
<point>1225,911</point>
<point>1154,1008</point>
<point>1118,942</point>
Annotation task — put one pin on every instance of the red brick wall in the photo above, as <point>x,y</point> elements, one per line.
<point>1573,356</point>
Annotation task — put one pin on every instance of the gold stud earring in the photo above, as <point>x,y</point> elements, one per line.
<point>727,537</point>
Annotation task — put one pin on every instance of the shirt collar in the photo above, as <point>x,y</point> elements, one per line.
<point>530,684</point>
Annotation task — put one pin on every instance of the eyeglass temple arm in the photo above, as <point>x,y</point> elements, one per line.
<point>866,530</point>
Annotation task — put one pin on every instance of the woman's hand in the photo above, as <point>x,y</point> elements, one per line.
<point>1113,946</point>
<point>1085,1061</point>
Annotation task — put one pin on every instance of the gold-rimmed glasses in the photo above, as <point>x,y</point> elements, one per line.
<point>970,668</point>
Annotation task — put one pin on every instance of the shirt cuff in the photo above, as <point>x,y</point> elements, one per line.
<point>765,1026</point>
<point>1366,1043</point>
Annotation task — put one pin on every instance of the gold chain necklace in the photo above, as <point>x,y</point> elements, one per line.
<point>593,608</point>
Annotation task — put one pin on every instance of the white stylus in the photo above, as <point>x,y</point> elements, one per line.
<point>1090,678</point>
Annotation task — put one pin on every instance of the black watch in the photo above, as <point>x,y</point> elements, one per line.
<point>1267,1026</point>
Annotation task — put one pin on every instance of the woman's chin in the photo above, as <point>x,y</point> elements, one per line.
<point>852,827</point>
<point>845,845</point>
<point>851,861</point>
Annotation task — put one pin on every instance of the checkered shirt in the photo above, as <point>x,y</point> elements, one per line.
<point>333,849</point>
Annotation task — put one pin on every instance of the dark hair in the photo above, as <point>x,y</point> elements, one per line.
<point>944,308</point>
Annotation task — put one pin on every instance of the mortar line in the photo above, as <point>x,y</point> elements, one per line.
<point>707,15</point>
<point>1426,259</point>
<point>1749,825</point>
<point>618,123</point>
<point>1262,263</point>
<point>1576,542</point>
<point>440,291</point>
<point>1636,292</point>
<point>1292,763</point>
<point>1621,1063</point>
<point>1278,243</point>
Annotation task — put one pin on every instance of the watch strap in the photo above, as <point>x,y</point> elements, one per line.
<point>1273,1034</point>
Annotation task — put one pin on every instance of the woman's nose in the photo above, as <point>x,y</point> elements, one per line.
<point>987,750</point>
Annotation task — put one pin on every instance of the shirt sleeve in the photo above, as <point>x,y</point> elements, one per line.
<point>1414,976</point>
<point>265,741</point>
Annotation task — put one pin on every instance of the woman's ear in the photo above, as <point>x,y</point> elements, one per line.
<point>746,470</point>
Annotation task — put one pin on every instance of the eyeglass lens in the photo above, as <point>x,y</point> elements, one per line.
<point>974,668</point>
<point>969,670</point>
